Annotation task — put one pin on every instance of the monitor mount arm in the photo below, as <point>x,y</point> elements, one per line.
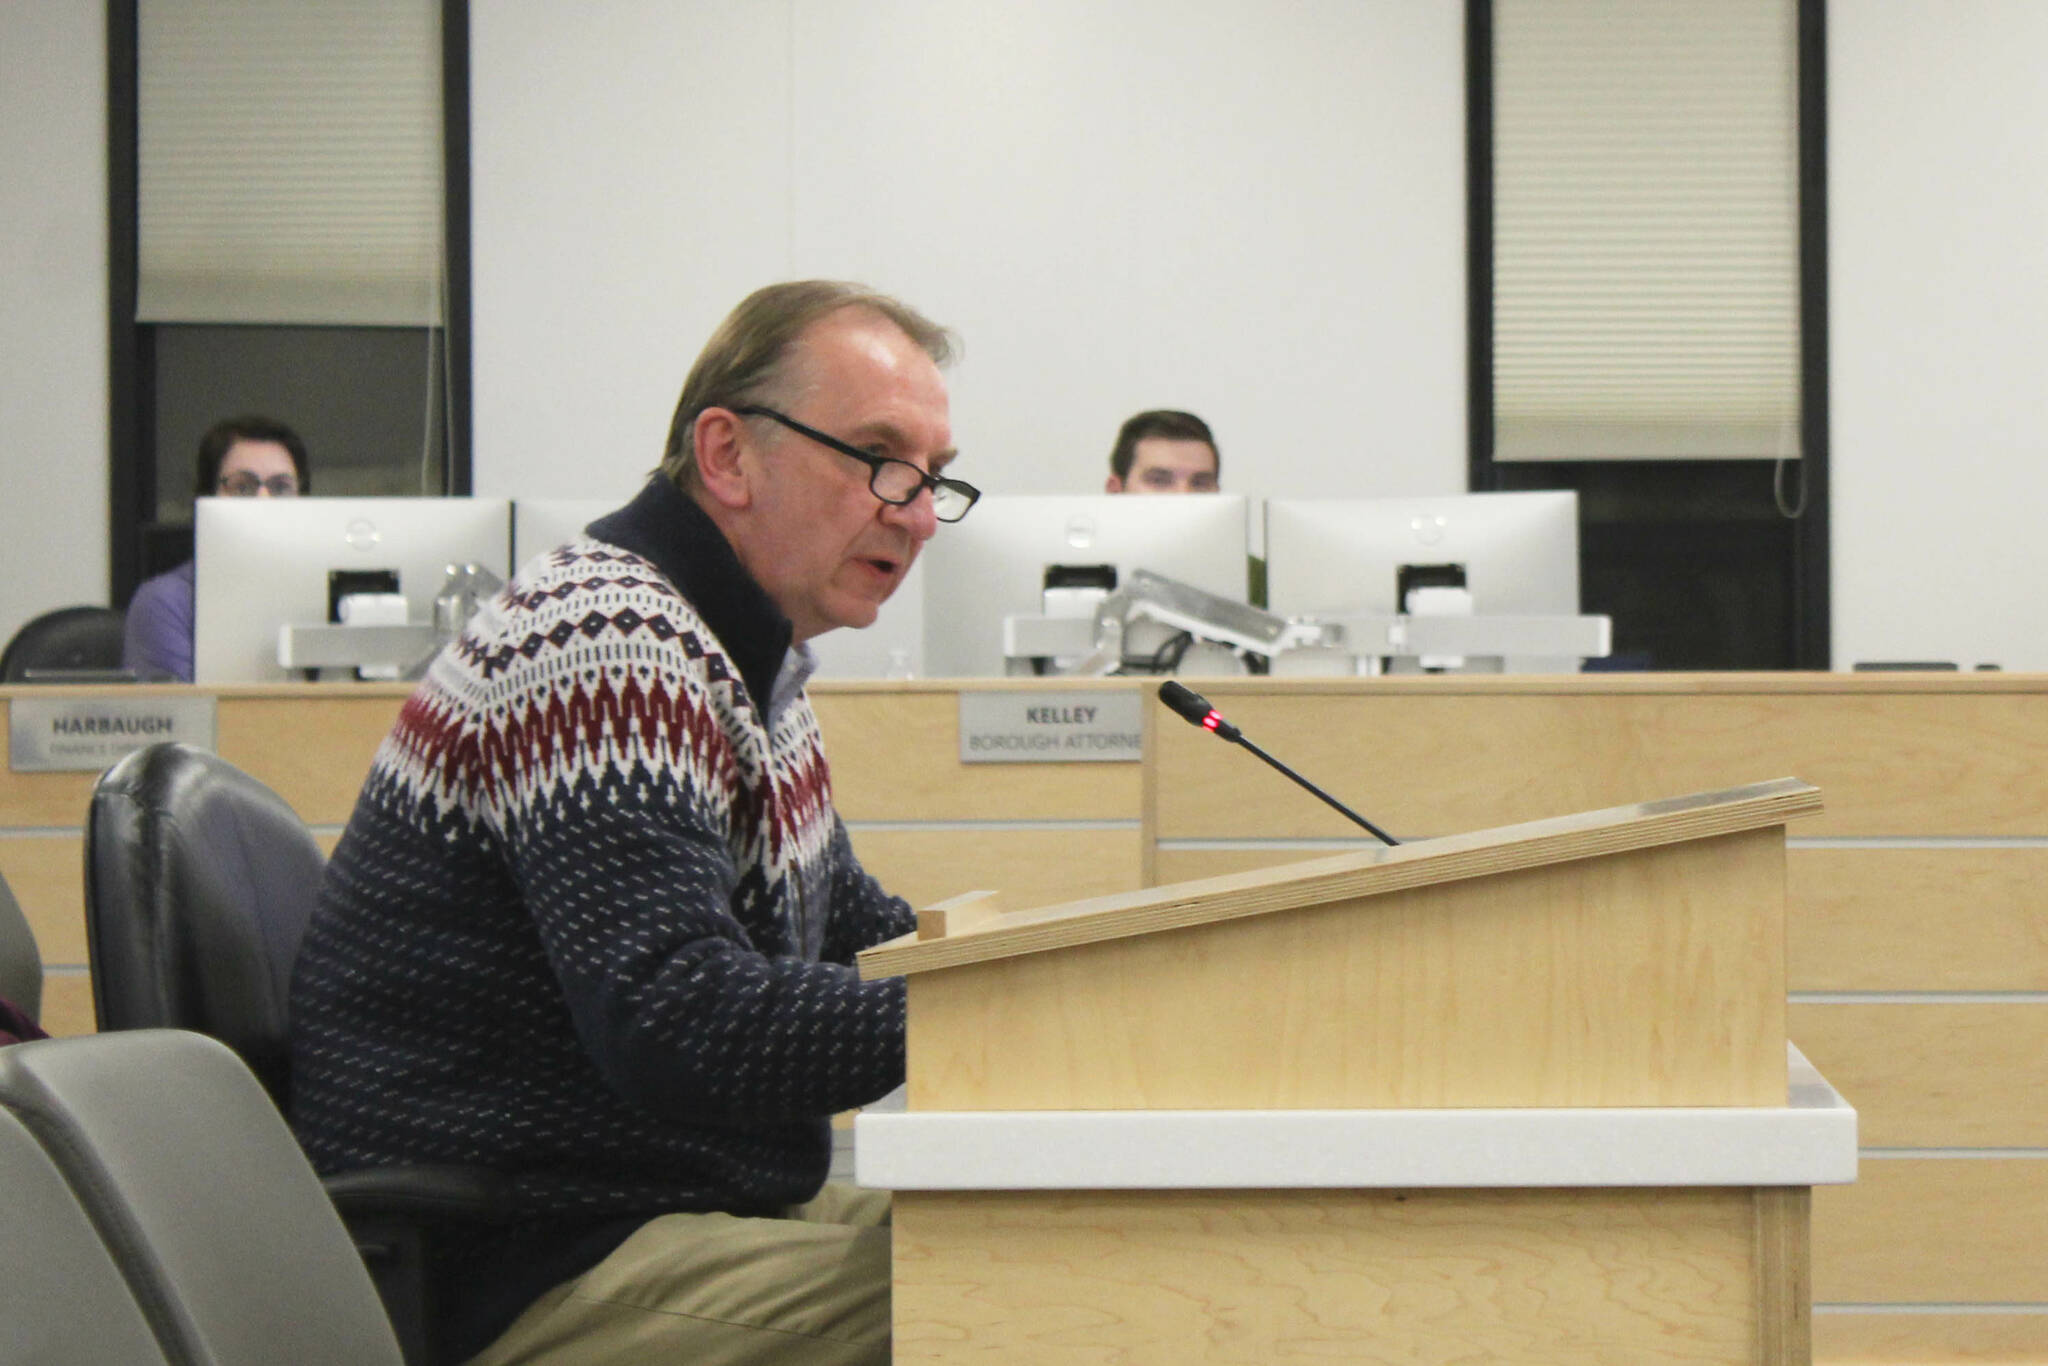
<point>1096,647</point>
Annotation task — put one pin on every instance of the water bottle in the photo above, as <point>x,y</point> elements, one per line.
<point>464,590</point>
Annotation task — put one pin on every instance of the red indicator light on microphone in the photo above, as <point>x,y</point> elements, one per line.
<point>1212,720</point>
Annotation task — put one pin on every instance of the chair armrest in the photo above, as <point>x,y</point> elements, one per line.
<point>390,1211</point>
<point>437,1193</point>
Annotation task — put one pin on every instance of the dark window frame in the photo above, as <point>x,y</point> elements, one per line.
<point>1806,569</point>
<point>131,471</point>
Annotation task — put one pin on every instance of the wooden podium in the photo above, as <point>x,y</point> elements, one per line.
<point>1521,1095</point>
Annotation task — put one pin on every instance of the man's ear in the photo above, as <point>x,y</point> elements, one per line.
<point>1112,485</point>
<point>723,471</point>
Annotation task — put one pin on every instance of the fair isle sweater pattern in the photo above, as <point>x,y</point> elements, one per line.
<point>593,919</point>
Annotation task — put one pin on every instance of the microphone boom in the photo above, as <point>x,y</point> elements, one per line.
<point>1194,708</point>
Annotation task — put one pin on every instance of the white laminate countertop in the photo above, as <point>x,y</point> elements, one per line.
<point>1811,1140</point>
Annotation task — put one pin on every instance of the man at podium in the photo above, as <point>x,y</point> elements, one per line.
<point>592,921</point>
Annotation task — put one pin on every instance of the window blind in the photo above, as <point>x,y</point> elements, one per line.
<point>290,163</point>
<point>1646,229</point>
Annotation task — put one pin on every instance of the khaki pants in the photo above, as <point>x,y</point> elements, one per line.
<point>718,1290</point>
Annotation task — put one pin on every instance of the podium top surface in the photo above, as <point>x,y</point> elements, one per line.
<point>1371,872</point>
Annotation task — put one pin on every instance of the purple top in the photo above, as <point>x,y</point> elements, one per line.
<point>158,642</point>
<point>16,1026</point>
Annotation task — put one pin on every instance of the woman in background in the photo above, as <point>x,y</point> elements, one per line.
<point>241,457</point>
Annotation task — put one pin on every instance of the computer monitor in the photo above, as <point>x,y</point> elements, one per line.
<point>543,523</point>
<point>993,564</point>
<point>1517,554</point>
<point>889,648</point>
<point>892,646</point>
<point>263,563</point>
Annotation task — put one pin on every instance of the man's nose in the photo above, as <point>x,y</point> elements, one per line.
<point>918,516</point>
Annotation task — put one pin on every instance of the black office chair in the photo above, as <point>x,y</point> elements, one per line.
<point>199,883</point>
<point>21,963</point>
<point>68,641</point>
<point>210,1212</point>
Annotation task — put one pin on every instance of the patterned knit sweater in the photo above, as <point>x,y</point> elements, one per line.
<point>591,920</point>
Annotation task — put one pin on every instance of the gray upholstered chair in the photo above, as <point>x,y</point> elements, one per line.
<point>63,1301</point>
<point>199,1191</point>
<point>199,883</point>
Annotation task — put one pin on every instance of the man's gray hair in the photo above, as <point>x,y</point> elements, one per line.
<point>748,358</point>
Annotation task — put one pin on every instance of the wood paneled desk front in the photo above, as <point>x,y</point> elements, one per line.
<point>1917,932</point>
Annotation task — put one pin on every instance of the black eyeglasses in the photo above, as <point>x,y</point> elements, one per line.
<point>242,484</point>
<point>891,480</point>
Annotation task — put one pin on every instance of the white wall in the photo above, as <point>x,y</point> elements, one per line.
<point>1938,236</point>
<point>1255,211</point>
<point>53,307</point>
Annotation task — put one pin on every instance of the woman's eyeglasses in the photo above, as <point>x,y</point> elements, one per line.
<point>242,484</point>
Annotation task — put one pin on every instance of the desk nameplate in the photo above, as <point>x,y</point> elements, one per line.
<point>86,734</point>
<point>1051,727</point>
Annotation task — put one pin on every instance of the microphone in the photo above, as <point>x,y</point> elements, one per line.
<point>1196,711</point>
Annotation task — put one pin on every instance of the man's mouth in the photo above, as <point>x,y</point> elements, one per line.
<point>892,560</point>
